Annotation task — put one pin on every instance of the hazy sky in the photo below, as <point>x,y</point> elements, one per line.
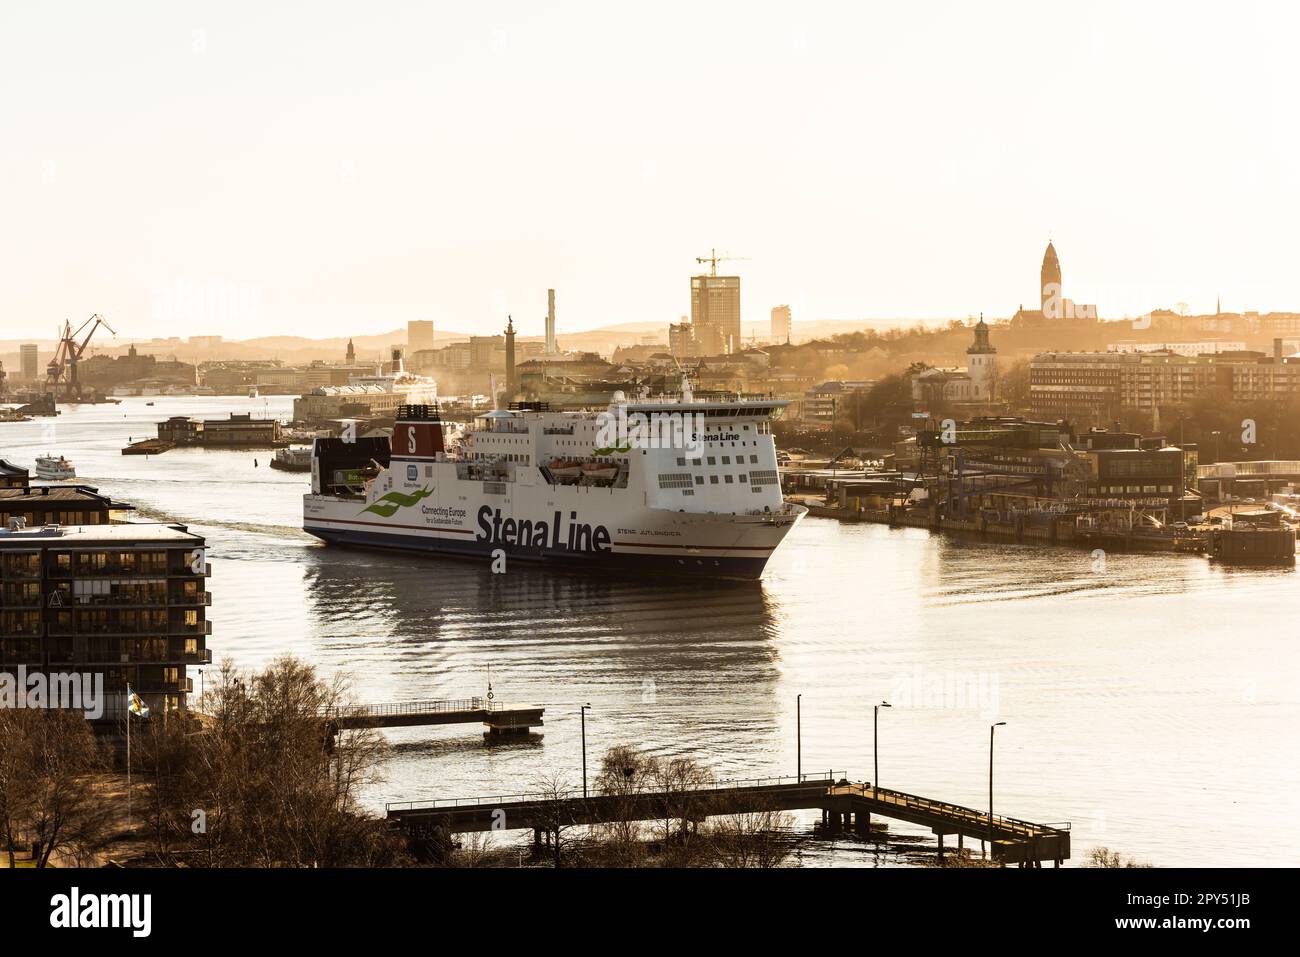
<point>332,168</point>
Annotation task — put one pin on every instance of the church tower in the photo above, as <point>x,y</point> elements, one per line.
<point>982,365</point>
<point>1049,284</point>
<point>352,353</point>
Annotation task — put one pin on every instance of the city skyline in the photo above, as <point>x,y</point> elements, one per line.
<point>337,174</point>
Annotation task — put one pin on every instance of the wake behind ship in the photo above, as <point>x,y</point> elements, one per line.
<point>684,487</point>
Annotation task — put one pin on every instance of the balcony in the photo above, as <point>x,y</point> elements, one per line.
<point>189,599</point>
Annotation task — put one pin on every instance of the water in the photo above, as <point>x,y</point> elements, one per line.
<point>1152,703</point>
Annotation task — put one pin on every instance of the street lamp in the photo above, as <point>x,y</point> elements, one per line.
<point>582,713</point>
<point>798,739</point>
<point>875,742</point>
<point>991,728</point>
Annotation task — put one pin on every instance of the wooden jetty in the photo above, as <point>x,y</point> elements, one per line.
<point>844,805</point>
<point>499,718</point>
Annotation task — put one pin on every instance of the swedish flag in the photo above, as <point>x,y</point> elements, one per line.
<point>135,705</point>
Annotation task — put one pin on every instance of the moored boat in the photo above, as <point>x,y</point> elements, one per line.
<point>54,468</point>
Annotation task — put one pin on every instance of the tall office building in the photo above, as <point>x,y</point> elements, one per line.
<point>715,313</point>
<point>552,347</point>
<point>782,321</point>
<point>419,335</point>
<point>28,363</point>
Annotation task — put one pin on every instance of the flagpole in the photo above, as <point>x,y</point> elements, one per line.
<point>128,757</point>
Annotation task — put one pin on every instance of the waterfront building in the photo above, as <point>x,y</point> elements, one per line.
<point>240,430</point>
<point>124,601</point>
<point>1094,386</point>
<point>13,476</point>
<point>1259,479</point>
<point>39,505</point>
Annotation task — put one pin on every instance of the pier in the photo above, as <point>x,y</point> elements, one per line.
<point>844,806</point>
<point>499,718</point>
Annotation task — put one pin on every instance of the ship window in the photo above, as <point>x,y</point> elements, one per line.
<point>742,478</point>
<point>688,491</point>
<point>681,461</point>
<point>726,460</point>
<point>428,471</point>
<point>712,460</point>
<point>699,480</point>
<point>412,472</point>
<point>713,480</point>
<point>730,480</point>
<point>753,460</point>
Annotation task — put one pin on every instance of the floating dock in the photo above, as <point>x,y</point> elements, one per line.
<point>498,718</point>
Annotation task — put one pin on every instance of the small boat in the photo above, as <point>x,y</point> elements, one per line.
<point>599,471</point>
<point>565,470</point>
<point>54,468</point>
<point>292,460</point>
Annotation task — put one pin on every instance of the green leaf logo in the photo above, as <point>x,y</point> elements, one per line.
<point>390,503</point>
<point>612,449</point>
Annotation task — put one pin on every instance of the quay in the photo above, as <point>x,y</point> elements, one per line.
<point>499,718</point>
<point>844,806</point>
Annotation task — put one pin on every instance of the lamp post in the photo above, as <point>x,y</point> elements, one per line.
<point>798,739</point>
<point>875,742</point>
<point>991,729</point>
<point>582,714</point>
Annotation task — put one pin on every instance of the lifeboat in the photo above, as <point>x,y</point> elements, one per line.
<point>599,471</point>
<point>565,470</point>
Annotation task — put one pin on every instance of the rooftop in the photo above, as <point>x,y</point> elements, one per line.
<point>91,534</point>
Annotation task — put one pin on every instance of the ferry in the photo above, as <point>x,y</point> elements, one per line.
<point>676,485</point>
<point>54,468</point>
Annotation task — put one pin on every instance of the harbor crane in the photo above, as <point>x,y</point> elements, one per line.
<point>713,259</point>
<point>62,370</point>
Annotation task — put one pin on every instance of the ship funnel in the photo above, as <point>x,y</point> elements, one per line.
<point>417,433</point>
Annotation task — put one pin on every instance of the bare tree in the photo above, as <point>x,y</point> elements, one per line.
<point>555,796</point>
<point>625,774</point>
<point>751,838</point>
<point>47,759</point>
<point>1105,857</point>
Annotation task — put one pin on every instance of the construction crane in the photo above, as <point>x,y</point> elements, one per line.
<point>62,369</point>
<point>713,259</point>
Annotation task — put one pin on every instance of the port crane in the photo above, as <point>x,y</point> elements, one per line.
<point>713,259</point>
<point>62,370</point>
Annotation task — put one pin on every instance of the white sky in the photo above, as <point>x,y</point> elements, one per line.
<point>350,166</point>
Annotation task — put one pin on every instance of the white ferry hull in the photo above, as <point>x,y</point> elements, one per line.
<point>715,546</point>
